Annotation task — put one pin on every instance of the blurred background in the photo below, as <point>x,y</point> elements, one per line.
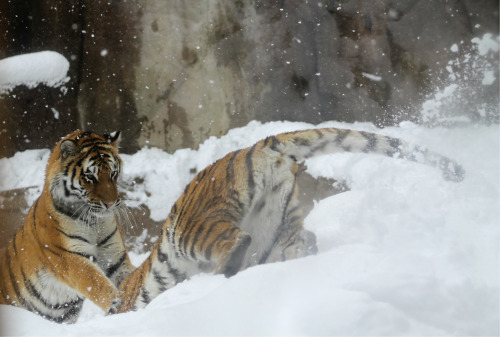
<point>172,73</point>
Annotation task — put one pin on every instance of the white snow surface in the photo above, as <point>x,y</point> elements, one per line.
<point>45,67</point>
<point>402,252</point>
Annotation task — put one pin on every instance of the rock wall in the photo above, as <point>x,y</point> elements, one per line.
<point>172,73</point>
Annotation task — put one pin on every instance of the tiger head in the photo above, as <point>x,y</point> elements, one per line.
<point>82,174</point>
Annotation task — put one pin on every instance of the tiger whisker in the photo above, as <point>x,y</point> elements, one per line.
<point>77,210</point>
<point>129,217</point>
<point>120,218</point>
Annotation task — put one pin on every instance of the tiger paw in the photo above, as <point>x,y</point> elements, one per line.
<point>310,246</point>
<point>115,306</point>
<point>302,245</point>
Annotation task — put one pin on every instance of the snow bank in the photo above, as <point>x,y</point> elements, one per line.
<point>46,67</point>
<point>403,252</point>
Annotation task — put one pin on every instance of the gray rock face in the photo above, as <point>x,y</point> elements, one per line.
<point>173,73</point>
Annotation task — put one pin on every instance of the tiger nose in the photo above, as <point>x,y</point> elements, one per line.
<point>108,204</point>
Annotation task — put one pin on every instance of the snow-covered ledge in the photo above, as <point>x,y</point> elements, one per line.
<point>45,67</point>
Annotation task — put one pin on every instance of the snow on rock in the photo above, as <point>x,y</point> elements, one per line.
<point>46,67</point>
<point>403,252</point>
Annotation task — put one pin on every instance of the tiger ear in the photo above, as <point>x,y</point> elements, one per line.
<point>113,138</point>
<point>68,148</point>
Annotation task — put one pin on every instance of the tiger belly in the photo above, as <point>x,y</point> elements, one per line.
<point>274,189</point>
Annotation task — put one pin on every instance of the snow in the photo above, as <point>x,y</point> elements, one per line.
<point>432,107</point>
<point>45,67</point>
<point>489,77</point>
<point>402,252</point>
<point>466,93</point>
<point>372,77</point>
<point>486,44</point>
<point>16,175</point>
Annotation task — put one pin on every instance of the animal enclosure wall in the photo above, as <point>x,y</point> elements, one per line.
<point>171,73</point>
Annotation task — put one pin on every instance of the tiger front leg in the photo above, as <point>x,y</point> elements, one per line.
<point>85,277</point>
<point>99,289</point>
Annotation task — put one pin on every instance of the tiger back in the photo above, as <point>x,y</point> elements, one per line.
<point>69,246</point>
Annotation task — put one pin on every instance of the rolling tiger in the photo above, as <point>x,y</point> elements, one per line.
<point>243,210</point>
<point>70,246</point>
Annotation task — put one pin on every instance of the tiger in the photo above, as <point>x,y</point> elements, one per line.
<point>243,210</point>
<point>70,246</point>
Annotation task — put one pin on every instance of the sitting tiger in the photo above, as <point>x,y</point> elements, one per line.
<point>240,211</point>
<point>70,246</point>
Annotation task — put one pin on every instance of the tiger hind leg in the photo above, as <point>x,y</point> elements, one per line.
<point>220,246</point>
<point>230,261</point>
